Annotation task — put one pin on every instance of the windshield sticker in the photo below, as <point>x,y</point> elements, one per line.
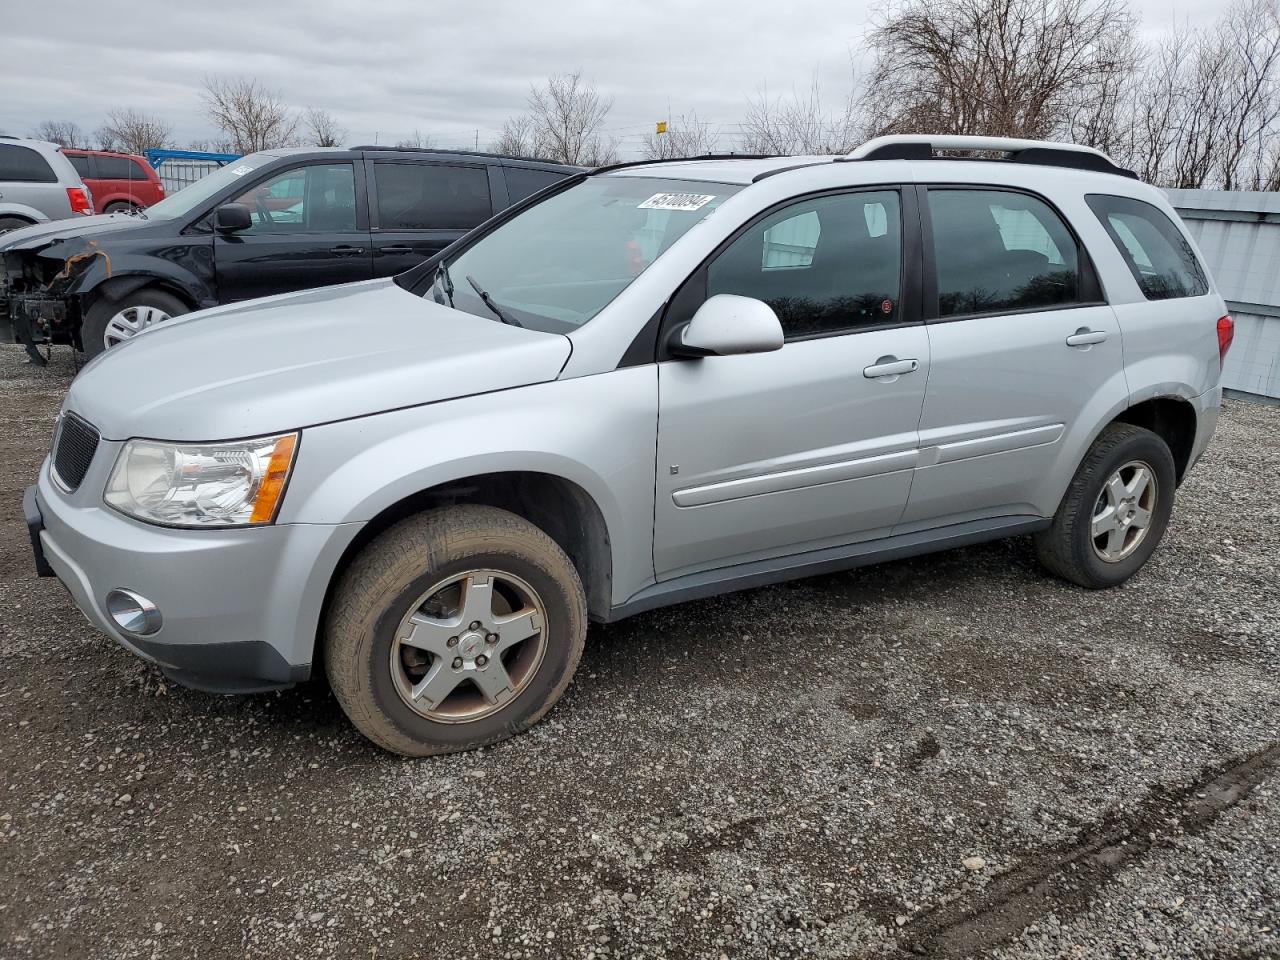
<point>677,201</point>
<point>241,170</point>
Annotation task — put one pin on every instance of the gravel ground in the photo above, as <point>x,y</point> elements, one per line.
<point>949,756</point>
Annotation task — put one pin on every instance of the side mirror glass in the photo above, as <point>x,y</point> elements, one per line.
<point>727,325</point>
<point>231,217</point>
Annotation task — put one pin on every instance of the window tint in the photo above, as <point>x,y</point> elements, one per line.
<point>81,163</point>
<point>24,165</point>
<point>998,251</point>
<point>304,200</point>
<point>431,196</point>
<point>825,265</point>
<point>1158,255</point>
<point>522,181</point>
<point>119,168</point>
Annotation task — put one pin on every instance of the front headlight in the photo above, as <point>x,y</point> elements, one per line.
<point>202,484</point>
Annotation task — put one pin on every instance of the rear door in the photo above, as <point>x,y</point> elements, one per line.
<point>419,207</point>
<point>121,180</point>
<point>813,445</point>
<point>310,229</point>
<point>1021,346</point>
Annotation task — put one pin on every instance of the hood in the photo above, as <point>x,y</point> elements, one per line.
<point>72,228</point>
<point>268,366</point>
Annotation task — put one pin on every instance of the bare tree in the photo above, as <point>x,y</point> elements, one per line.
<point>252,116</point>
<point>132,131</point>
<point>800,123</point>
<point>685,137</point>
<point>65,133</point>
<point>211,146</point>
<point>322,129</point>
<point>517,137</point>
<point>417,140</point>
<point>1019,68</point>
<point>565,123</point>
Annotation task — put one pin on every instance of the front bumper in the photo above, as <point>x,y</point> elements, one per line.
<point>240,607</point>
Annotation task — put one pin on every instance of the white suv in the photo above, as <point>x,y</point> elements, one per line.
<point>645,384</point>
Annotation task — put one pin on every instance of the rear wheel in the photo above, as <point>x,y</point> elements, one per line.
<point>1115,511</point>
<point>13,223</point>
<point>108,323</point>
<point>456,628</point>
<point>121,206</point>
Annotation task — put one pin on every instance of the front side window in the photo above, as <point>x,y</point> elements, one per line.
<point>24,165</point>
<point>556,265</point>
<point>317,198</point>
<point>826,265</point>
<point>431,196</point>
<point>997,251</point>
<point>1158,255</point>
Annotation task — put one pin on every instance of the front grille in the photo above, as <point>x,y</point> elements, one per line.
<point>73,450</point>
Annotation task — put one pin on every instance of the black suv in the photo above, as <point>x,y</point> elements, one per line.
<point>271,222</point>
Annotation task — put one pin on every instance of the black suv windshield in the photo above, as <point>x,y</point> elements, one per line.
<point>559,263</point>
<point>189,198</point>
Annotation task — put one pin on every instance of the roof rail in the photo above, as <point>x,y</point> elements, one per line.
<point>914,146</point>
<point>460,153</point>
<point>609,168</point>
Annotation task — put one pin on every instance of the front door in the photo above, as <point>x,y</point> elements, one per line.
<point>812,445</point>
<point>421,207</point>
<point>1024,355</point>
<point>308,231</point>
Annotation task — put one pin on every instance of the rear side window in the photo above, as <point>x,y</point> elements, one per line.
<point>826,265</point>
<point>431,196</point>
<point>1158,254</point>
<point>81,163</point>
<point>120,168</point>
<point>997,251</point>
<point>24,165</point>
<point>523,182</point>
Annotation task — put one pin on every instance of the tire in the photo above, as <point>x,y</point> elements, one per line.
<point>365,654</point>
<point>120,206</point>
<point>93,331</point>
<point>1069,549</point>
<point>13,223</point>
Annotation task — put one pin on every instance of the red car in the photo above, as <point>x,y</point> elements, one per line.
<point>119,182</point>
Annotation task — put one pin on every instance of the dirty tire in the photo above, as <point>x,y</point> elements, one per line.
<point>1066,547</point>
<point>378,589</point>
<point>94,326</point>
<point>121,206</point>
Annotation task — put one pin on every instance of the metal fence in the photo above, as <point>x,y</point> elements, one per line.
<point>1239,235</point>
<point>181,168</point>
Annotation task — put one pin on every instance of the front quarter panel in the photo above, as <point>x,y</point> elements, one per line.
<point>598,432</point>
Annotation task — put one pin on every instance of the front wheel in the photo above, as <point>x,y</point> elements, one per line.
<point>108,323</point>
<point>1115,512</point>
<point>456,628</point>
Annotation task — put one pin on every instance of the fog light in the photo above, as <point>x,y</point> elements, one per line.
<point>132,612</point>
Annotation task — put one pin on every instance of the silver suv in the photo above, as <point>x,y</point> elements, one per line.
<point>643,385</point>
<point>38,183</point>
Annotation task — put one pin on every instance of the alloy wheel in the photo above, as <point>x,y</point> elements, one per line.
<point>1123,512</point>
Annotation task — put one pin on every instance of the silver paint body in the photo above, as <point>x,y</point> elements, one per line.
<point>41,202</point>
<point>695,465</point>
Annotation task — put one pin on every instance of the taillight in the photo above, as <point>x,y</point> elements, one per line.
<point>79,198</point>
<point>1226,333</point>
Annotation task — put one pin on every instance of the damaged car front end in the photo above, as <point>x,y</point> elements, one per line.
<point>39,289</point>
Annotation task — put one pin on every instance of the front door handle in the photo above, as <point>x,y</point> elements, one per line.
<point>890,367</point>
<point>396,248</point>
<point>345,248</point>
<point>1084,337</point>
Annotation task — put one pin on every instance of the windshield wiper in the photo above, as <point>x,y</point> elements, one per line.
<point>488,302</point>
<point>442,273</point>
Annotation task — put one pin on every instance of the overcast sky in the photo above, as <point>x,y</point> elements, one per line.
<point>449,69</point>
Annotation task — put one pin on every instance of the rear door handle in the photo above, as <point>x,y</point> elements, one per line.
<point>1085,337</point>
<point>346,248</point>
<point>396,248</point>
<point>890,367</point>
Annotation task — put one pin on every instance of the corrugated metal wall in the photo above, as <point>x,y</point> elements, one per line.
<point>1239,235</point>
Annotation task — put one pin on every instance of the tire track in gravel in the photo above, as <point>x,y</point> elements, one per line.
<point>1064,880</point>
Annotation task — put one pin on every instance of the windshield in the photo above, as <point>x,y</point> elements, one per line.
<point>191,198</point>
<point>559,263</point>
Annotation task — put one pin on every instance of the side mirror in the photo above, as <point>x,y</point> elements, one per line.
<point>726,325</point>
<point>231,217</point>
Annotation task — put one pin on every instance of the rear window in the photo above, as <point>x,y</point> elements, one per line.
<point>523,182</point>
<point>431,196</point>
<point>81,163</point>
<point>1157,253</point>
<point>120,168</point>
<point>24,165</point>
